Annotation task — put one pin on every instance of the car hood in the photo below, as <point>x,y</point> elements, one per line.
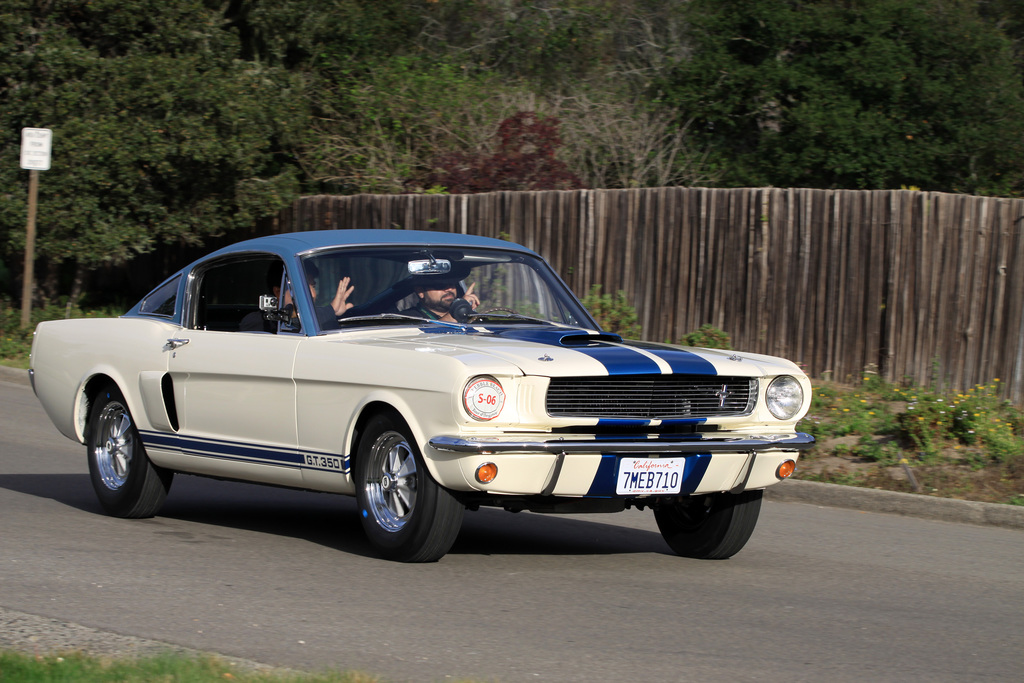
<point>565,352</point>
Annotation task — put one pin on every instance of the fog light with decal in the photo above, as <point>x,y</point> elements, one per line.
<point>486,473</point>
<point>786,469</point>
<point>483,398</point>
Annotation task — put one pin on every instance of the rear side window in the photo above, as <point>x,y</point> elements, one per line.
<point>228,295</point>
<point>162,300</point>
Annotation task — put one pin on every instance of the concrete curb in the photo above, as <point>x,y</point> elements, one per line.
<point>909,504</point>
<point>833,495</point>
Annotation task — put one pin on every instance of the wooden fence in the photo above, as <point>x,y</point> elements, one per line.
<point>918,286</point>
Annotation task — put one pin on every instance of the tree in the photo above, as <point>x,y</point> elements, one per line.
<point>378,132</point>
<point>868,94</point>
<point>553,43</point>
<point>615,141</point>
<point>332,37</point>
<point>160,133</point>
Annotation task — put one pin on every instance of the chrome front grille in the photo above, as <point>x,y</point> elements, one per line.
<point>651,397</point>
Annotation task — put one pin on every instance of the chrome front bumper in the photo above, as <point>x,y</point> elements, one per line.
<point>654,446</point>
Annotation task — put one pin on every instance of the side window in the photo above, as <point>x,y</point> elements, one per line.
<point>228,296</point>
<point>162,300</point>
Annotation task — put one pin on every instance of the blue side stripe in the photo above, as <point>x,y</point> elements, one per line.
<point>159,440</point>
<point>603,485</point>
<point>234,451</point>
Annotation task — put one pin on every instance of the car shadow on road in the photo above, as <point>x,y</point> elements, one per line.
<point>332,520</point>
<point>323,519</point>
<point>496,532</point>
<point>73,490</point>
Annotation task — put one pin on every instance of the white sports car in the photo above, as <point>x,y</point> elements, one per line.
<point>424,373</point>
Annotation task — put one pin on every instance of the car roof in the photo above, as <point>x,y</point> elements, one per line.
<point>288,245</point>
<point>300,242</point>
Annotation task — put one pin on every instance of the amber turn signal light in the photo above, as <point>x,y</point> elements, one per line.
<point>486,473</point>
<point>786,469</point>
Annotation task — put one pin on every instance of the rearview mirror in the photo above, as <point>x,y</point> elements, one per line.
<point>430,267</point>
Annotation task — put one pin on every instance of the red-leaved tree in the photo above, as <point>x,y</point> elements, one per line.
<point>525,160</point>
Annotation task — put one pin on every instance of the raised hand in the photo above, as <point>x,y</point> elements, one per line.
<point>340,302</point>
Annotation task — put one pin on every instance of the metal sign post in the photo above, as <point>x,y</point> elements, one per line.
<point>35,156</point>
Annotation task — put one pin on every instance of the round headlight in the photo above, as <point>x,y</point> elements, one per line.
<point>785,397</point>
<point>483,398</point>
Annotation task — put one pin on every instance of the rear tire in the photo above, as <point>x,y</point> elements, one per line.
<point>406,515</point>
<point>713,527</point>
<point>126,482</point>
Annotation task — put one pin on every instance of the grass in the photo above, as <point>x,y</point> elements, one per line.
<point>967,445</point>
<point>169,668</point>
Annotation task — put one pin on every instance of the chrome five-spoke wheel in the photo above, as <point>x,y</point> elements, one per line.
<point>391,485</point>
<point>115,445</point>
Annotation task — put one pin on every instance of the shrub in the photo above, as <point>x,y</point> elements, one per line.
<point>613,313</point>
<point>707,337</point>
<point>842,413</point>
<point>980,417</point>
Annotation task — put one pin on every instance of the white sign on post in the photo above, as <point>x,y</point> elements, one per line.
<point>35,148</point>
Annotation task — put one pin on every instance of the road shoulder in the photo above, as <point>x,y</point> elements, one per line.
<point>894,502</point>
<point>13,375</point>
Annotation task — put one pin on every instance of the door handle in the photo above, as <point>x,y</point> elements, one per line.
<point>175,343</point>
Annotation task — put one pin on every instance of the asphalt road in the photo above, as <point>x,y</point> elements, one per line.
<point>286,578</point>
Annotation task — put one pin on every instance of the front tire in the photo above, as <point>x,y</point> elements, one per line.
<point>713,527</point>
<point>126,482</point>
<point>406,515</point>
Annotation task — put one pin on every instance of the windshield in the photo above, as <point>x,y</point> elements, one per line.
<point>406,285</point>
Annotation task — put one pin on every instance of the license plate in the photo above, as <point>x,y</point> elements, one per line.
<point>650,476</point>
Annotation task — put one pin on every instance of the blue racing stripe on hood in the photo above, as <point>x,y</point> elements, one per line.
<point>619,360</point>
<point>681,361</point>
<point>616,358</point>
